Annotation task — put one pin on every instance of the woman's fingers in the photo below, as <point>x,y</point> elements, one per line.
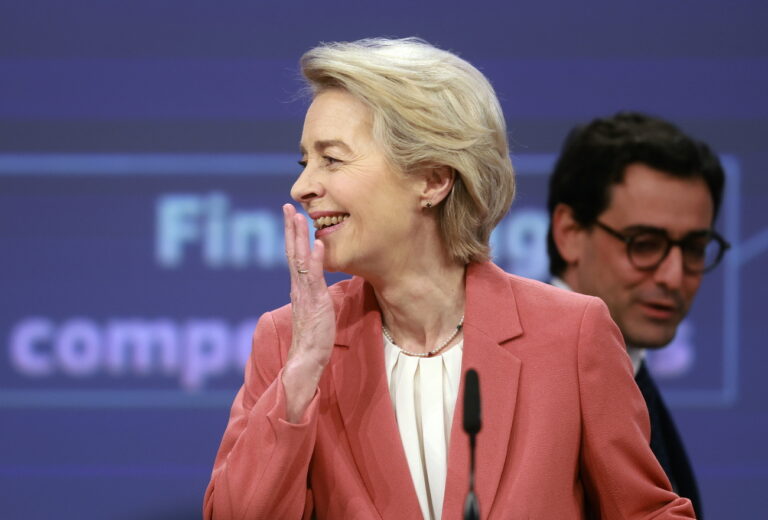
<point>304,263</point>
<point>288,213</point>
<point>301,246</point>
<point>316,261</point>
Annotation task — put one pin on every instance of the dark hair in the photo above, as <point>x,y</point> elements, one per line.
<point>594,157</point>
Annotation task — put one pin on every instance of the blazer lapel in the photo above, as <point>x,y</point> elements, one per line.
<point>491,320</point>
<point>360,383</point>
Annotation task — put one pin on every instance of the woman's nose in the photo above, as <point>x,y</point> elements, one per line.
<point>307,186</point>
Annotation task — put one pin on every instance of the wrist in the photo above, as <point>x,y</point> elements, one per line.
<point>300,380</point>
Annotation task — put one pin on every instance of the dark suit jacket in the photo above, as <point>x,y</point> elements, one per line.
<point>666,442</point>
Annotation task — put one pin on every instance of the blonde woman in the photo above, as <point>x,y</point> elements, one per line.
<point>349,406</point>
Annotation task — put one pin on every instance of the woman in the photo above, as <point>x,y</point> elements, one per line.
<point>349,406</point>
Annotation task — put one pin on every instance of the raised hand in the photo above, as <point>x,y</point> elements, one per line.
<point>313,316</point>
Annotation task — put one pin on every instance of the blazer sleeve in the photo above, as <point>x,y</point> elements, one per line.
<point>622,477</point>
<point>262,464</point>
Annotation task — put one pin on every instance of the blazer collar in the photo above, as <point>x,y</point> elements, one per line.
<point>490,306</point>
<point>360,384</point>
<point>491,322</point>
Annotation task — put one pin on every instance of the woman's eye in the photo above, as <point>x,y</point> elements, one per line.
<point>303,163</point>
<point>330,160</point>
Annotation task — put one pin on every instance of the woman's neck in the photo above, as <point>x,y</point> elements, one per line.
<point>422,306</point>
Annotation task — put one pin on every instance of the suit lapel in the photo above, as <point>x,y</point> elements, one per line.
<point>491,320</point>
<point>360,382</point>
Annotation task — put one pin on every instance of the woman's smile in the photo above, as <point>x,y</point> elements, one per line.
<point>329,223</point>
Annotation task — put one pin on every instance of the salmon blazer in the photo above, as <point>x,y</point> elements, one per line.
<point>565,430</point>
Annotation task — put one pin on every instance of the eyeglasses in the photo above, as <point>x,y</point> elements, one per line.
<point>647,247</point>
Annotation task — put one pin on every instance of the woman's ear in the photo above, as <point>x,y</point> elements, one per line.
<point>567,234</point>
<point>437,182</point>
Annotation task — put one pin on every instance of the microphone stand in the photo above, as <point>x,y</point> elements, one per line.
<point>472,425</point>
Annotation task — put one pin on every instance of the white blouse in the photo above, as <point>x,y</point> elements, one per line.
<point>424,392</point>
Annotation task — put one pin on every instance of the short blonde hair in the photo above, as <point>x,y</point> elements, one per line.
<point>430,108</point>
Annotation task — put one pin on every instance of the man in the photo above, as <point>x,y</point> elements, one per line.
<point>632,202</point>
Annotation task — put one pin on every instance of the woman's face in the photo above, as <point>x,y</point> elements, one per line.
<point>363,210</point>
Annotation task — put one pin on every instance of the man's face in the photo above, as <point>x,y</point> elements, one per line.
<point>646,305</point>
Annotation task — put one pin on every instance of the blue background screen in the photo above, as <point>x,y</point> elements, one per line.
<point>146,149</point>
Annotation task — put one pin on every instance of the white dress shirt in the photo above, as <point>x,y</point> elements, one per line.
<point>423,392</point>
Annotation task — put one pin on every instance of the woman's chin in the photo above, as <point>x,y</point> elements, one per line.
<point>331,265</point>
<point>336,265</point>
<point>330,269</point>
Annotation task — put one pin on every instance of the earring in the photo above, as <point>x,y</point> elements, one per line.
<point>428,205</point>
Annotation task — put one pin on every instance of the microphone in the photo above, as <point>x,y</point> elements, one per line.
<point>472,425</point>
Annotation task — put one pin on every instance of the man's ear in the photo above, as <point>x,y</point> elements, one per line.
<point>437,182</point>
<point>567,233</point>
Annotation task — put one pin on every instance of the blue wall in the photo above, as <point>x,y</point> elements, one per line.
<point>145,151</point>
